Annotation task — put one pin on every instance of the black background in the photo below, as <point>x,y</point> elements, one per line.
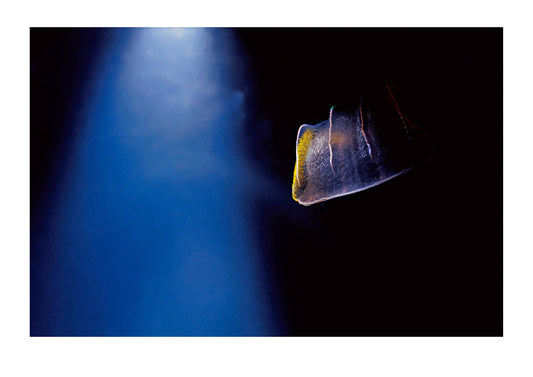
<point>419,255</point>
<point>61,63</point>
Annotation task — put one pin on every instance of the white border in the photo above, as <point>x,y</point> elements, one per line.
<point>21,355</point>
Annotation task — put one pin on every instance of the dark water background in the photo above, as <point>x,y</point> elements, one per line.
<point>161,170</point>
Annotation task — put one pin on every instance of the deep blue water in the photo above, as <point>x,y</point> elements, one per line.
<point>146,230</point>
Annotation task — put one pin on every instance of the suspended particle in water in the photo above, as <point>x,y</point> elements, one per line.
<point>355,149</point>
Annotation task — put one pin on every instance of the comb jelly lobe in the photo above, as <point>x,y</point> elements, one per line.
<point>353,150</point>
